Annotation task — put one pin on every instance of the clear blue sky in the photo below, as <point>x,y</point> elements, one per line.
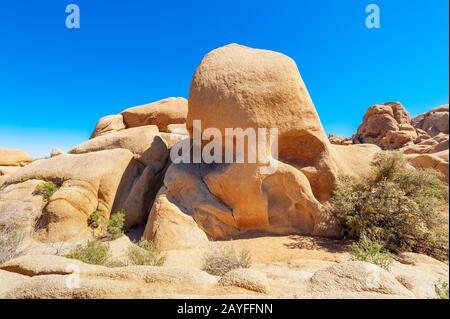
<point>55,82</point>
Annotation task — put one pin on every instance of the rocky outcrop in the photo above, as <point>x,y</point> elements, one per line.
<point>387,125</point>
<point>74,186</point>
<point>424,139</point>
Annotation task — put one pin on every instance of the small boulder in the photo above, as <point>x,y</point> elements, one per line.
<point>109,124</point>
<point>169,228</point>
<point>56,152</point>
<point>247,279</point>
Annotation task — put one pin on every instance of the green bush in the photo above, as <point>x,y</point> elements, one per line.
<point>145,253</point>
<point>94,220</point>
<point>373,252</point>
<point>116,224</point>
<point>222,260</point>
<point>441,289</point>
<point>398,207</point>
<point>46,190</point>
<point>94,252</point>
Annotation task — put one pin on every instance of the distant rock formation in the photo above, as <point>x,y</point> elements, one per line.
<point>387,125</point>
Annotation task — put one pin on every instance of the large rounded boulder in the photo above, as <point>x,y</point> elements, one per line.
<point>240,88</point>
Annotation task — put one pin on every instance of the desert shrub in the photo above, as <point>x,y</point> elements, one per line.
<point>373,252</point>
<point>400,208</point>
<point>115,263</point>
<point>46,189</point>
<point>222,260</point>
<point>10,240</point>
<point>441,289</point>
<point>13,233</point>
<point>116,224</point>
<point>94,252</point>
<point>146,253</point>
<point>94,220</point>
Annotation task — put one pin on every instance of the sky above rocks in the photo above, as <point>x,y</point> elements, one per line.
<point>55,83</point>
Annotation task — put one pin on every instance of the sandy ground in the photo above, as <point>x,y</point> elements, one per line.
<point>292,251</point>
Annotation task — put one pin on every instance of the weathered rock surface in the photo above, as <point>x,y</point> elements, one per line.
<point>169,228</point>
<point>246,278</point>
<point>355,277</point>
<point>14,157</point>
<point>7,170</point>
<point>433,122</point>
<point>84,187</point>
<point>420,274</point>
<point>45,276</point>
<point>240,87</point>
<point>40,265</point>
<point>151,151</point>
<point>144,142</point>
<point>162,113</point>
<point>430,161</point>
<point>109,124</point>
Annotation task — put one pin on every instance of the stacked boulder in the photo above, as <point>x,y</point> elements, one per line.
<point>387,125</point>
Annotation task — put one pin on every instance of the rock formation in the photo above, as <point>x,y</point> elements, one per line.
<point>170,111</point>
<point>424,139</point>
<point>83,187</point>
<point>184,207</point>
<point>387,125</point>
<point>12,159</point>
<point>241,87</point>
<point>433,122</point>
